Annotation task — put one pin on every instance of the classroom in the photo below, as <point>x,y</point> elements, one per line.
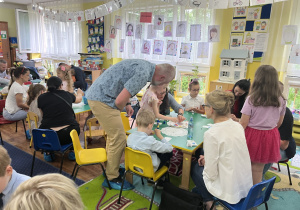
<point>184,104</point>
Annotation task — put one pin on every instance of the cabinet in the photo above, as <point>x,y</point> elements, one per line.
<point>4,44</point>
<point>91,64</point>
<point>220,85</point>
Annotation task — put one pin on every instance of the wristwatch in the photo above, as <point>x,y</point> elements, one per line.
<point>180,114</point>
<point>128,103</point>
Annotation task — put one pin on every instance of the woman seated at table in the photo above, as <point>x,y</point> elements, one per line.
<point>167,102</point>
<point>57,112</point>
<point>225,169</point>
<point>15,105</point>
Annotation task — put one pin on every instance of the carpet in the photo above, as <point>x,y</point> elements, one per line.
<point>21,162</point>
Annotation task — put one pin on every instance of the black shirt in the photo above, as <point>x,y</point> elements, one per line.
<point>56,112</point>
<point>80,78</point>
<point>286,130</point>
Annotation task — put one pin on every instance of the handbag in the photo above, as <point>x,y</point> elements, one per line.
<point>66,103</point>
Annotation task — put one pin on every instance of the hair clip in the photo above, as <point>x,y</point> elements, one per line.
<point>193,80</point>
<point>63,68</point>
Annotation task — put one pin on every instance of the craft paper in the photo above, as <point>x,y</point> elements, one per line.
<point>71,17</point>
<point>249,37</point>
<point>182,2</point>
<point>129,29</point>
<point>240,11</point>
<point>146,47</point>
<point>63,17</point>
<point>250,49</point>
<point>279,0</point>
<point>133,47</point>
<point>261,25</point>
<point>171,131</point>
<point>107,46</point>
<point>96,30</point>
<point>213,33</point>
<point>98,39</point>
<point>159,22</point>
<point>289,34</point>
<point>101,30</point>
<point>181,28</point>
<point>253,13</point>
<point>89,39</point>
<point>151,32</point>
<point>183,124</point>
<point>168,29</point>
<point>218,4</point>
<point>236,40</point>
<point>93,47</point>
<point>158,47</point>
<point>198,3</point>
<point>90,14</point>
<point>57,16</point>
<point>146,17</point>
<point>111,6</point>
<point>171,48</point>
<point>185,50</point>
<point>97,46</point>
<point>295,54</point>
<point>91,31</point>
<point>238,3</point>
<point>112,32</point>
<point>79,16</point>
<point>138,31</point>
<point>203,50</point>
<point>258,2</point>
<point>88,49</point>
<point>94,40</point>
<point>238,25</point>
<point>261,42</point>
<point>101,11</point>
<point>118,22</point>
<point>195,32</point>
<point>97,21</point>
<point>122,43</point>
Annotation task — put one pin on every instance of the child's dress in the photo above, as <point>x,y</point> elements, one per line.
<point>147,100</point>
<point>190,102</point>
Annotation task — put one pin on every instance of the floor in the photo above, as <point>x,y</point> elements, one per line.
<point>18,139</point>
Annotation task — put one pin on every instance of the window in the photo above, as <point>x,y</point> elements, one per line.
<point>224,73</point>
<point>226,63</point>
<point>238,63</point>
<point>185,79</point>
<point>294,97</point>
<point>22,20</point>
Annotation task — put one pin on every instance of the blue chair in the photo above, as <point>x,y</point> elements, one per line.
<point>46,140</point>
<point>258,194</point>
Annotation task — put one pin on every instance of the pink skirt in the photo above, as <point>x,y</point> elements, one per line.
<point>263,145</point>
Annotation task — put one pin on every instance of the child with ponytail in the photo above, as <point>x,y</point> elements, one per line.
<point>64,73</point>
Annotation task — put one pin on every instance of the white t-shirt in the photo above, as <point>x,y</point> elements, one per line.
<point>190,102</point>
<point>227,171</point>
<point>11,103</point>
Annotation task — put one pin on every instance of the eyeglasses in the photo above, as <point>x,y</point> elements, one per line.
<point>195,90</point>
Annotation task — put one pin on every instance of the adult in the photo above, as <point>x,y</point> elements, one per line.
<point>57,112</point>
<point>224,171</point>
<point>240,91</point>
<point>110,93</point>
<point>79,77</point>
<point>15,106</point>
<point>4,77</point>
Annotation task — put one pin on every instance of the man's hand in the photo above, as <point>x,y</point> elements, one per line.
<point>201,160</point>
<point>129,110</point>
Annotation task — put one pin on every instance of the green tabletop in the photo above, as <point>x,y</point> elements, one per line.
<point>198,131</point>
<point>82,109</point>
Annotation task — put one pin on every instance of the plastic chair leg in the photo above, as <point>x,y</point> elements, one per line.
<point>16,126</point>
<point>142,180</point>
<point>105,176</point>
<point>278,167</point>
<point>33,159</point>
<point>75,166</point>
<point>122,187</point>
<point>31,142</point>
<point>212,206</point>
<point>288,168</point>
<point>154,189</point>
<point>74,177</point>
<point>62,161</point>
<point>24,128</point>
<point>266,205</point>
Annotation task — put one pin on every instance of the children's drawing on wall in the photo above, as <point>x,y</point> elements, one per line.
<point>122,44</point>
<point>236,40</point>
<point>158,47</point>
<point>289,34</point>
<point>198,3</point>
<point>258,2</point>
<point>96,30</point>
<point>253,13</point>
<point>171,48</point>
<point>182,2</point>
<point>133,47</point>
<point>185,50</point>
<point>181,29</point>
<point>168,29</point>
<point>91,32</point>
<point>151,32</point>
<point>146,47</point>
<point>195,32</point>
<point>118,22</point>
<point>138,31</point>
<point>101,30</point>
<point>240,12</point>
<point>249,37</point>
<point>213,33</point>
<point>129,29</point>
<point>238,3</point>
<point>261,42</point>
<point>112,32</point>
<point>159,22</point>
<point>107,46</point>
<point>261,25</point>
<point>238,25</point>
<point>203,50</point>
<point>218,4</point>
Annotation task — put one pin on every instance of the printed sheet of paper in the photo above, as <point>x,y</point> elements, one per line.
<point>171,131</point>
<point>181,28</point>
<point>238,3</point>
<point>146,47</point>
<point>198,3</point>
<point>213,33</point>
<point>185,50</point>
<point>122,43</point>
<point>159,22</point>
<point>203,50</point>
<point>158,47</point>
<point>218,4</point>
<point>258,2</point>
<point>129,29</point>
<point>138,31</point>
<point>168,29</point>
<point>261,42</point>
<point>238,25</point>
<point>295,54</point>
<point>236,40</point>
<point>171,48</point>
<point>289,34</point>
<point>151,32</point>
<point>195,32</point>
<point>118,22</point>
<point>112,32</point>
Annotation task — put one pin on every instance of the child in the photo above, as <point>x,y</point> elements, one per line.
<point>64,73</point>
<point>160,151</point>
<point>151,102</point>
<point>46,192</point>
<point>262,114</point>
<point>224,171</point>
<point>193,102</point>
<point>9,178</point>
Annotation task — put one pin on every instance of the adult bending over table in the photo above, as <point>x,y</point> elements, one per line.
<point>110,93</point>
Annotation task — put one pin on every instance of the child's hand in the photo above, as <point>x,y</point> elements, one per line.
<point>189,109</point>
<point>79,91</point>
<point>174,119</point>
<point>158,134</point>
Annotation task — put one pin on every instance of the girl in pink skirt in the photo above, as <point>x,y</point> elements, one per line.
<point>262,114</point>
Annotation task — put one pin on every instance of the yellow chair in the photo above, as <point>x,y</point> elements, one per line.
<point>125,122</point>
<point>140,163</point>
<point>92,133</point>
<point>86,157</point>
<point>31,116</point>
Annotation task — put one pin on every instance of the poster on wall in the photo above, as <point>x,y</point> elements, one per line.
<point>181,28</point>
<point>107,46</point>
<point>185,50</point>
<point>240,11</point>
<point>112,32</point>
<point>236,41</point>
<point>289,34</point>
<point>258,2</point>
<point>118,22</point>
<point>213,33</point>
<point>96,35</point>
<point>253,13</point>
<point>295,54</point>
<point>203,50</point>
<point>122,43</point>
<point>146,17</point>
<point>261,25</point>
<point>218,4</point>
<point>195,32</point>
<point>151,32</point>
<point>238,25</point>
<point>138,31</point>
<point>249,38</point>
<point>261,42</point>
<point>171,48</point>
<point>158,47</point>
<point>146,47</point>
<point>238,3</point>
<point>159,22</point>
<point>198,3</point>
<point>168,29</point>
<point>129,29</point>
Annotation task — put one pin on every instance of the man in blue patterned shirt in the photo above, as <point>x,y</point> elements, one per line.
<point>110,93</point>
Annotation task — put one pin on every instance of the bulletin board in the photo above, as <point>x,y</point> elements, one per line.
<point>95,35</point>
<point>247,23</point>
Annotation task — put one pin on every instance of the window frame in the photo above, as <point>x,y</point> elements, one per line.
<point>20,37</point>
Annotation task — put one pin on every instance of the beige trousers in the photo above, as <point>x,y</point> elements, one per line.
<point>110,120</point>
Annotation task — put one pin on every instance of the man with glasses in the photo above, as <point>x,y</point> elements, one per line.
<point>4,76</point>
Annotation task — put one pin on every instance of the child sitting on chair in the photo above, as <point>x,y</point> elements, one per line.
<point>160,151</point>
<point>9,178</point>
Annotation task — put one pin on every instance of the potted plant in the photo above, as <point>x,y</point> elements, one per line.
<point>173,87</point>
<point>195,72</point>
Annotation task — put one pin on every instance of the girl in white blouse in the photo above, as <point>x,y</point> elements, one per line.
<point>225,170</point>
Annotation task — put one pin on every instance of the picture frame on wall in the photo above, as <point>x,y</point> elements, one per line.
<point>238,25</point>
<point>261,25</point>
<point>253,13</point>
<point>240,12</point>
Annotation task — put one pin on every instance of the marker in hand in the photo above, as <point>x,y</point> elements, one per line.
<point>157,126</point>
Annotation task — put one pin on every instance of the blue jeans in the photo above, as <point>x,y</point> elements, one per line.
<point>197,176</point>
<point>268,165</point>
<point>19,115</point>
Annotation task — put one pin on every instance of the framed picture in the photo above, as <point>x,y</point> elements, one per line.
<point>253,13</point>
<point>261,25</point>
<point>238,25</point>
<point>236,40</point>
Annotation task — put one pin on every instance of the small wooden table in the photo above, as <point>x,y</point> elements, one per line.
<point>180,143</point>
